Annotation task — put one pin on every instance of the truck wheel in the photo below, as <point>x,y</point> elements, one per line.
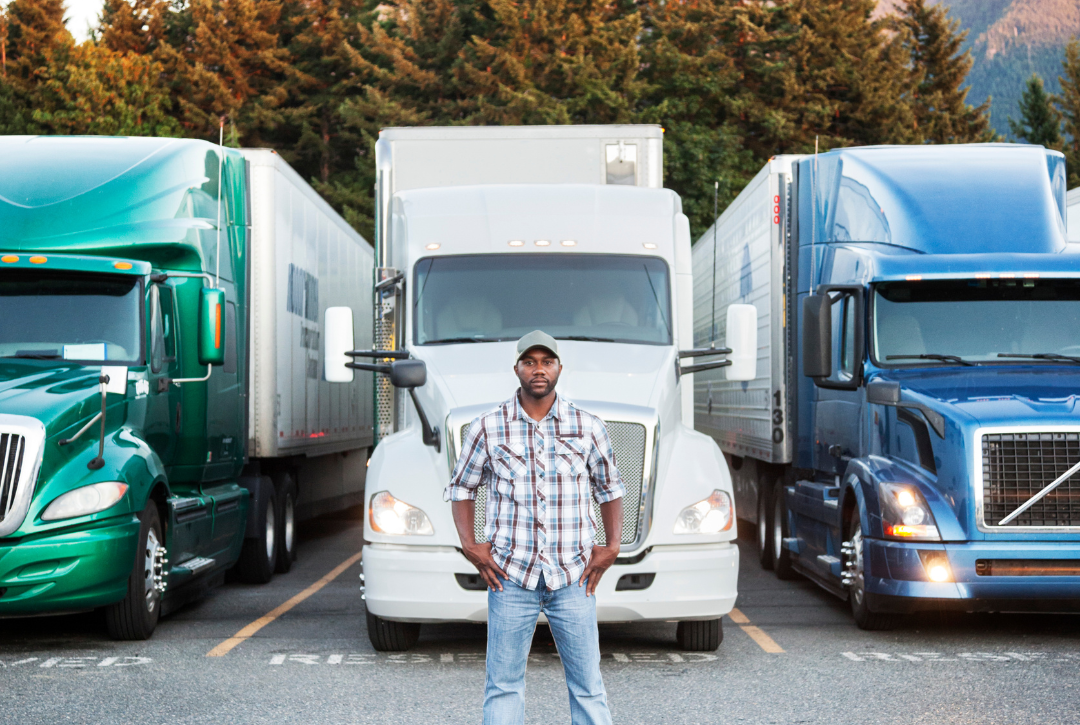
<point>387,636</point>
<point>764,530</point>
<point>855,572</point>
<point>703,636</point>
<point>136,615</point>
<point>286,517</point>
<point>259,555</point>
<point>781,557</point>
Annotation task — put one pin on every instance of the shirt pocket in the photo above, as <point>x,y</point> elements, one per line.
<point>508,462</point>
<point>570,457</point>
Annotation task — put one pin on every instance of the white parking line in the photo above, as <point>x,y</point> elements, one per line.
<point>417,658</point>
<point>984,657</point>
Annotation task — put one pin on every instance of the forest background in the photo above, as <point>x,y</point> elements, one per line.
<point>732,82</point>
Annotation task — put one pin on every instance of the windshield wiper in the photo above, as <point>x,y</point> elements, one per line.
<point>1042,356</point>
<point>931,356</point>
<point>36,355</point>
<point>585,338</point>
<point>452,340</point>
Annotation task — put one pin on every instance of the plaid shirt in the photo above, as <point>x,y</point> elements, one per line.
<point>539,476</point>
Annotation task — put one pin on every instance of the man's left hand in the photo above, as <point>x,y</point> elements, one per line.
<point>602,558</point>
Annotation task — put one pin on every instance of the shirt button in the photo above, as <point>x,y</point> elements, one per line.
<point>541,475</point>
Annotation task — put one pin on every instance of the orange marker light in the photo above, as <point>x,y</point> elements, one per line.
<point>9,258</point>
<point>122,265</point>
<point>914,278</point>
<point>38,260</point>
<point>217,326</point>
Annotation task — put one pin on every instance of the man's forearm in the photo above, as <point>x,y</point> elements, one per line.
<point>464,520</point>
<point>611,513</point>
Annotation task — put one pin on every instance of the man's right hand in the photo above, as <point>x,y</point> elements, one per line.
<point>481,558</point>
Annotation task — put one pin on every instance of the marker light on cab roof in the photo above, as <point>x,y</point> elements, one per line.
<point>38,260</point>
<point>542,243</point>
<point>433,246</point>
<point>649,245</point>
<point>516,243</point>
<point>9,258</point>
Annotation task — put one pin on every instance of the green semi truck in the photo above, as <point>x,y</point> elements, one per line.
<point>162,414</point>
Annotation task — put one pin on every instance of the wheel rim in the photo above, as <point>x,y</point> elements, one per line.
<point>858,579</point>
<point>778,527</point>
<point>287,527</point>
<point>270,531</point>
<point>151,568</point>
<point>762,523</point>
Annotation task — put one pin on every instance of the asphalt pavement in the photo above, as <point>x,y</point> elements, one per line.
<point>296,651</point>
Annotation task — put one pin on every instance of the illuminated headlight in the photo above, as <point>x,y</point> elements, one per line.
<point>905,513</point>
<point>85,500</point>
<point>710,516</point>
<point>391,516</point>
<point>936,566</point>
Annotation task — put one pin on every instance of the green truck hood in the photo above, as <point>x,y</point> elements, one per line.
<point>61,395</point>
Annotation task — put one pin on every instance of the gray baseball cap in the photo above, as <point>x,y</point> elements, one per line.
<point>536,338</point>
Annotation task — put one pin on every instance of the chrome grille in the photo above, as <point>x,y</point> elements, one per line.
<point>628,442</point>
<point>1016,466</point>
<point>12,447</point>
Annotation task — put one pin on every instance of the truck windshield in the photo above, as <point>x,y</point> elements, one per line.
<point>79,317</point>
<point>491,297</point>
<point>957,322</point>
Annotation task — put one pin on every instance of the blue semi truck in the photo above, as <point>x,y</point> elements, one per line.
<point>912,438</point>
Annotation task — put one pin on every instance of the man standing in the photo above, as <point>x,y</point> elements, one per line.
<point>543,460</point>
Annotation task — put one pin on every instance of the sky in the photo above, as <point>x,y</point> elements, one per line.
<point>81,14</point>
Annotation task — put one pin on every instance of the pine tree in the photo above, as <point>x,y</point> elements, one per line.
<point>939,69</point>
<point>137,26</point>
<point>1069,104</point>
<point>35,33</point>
<point>1040,121</point>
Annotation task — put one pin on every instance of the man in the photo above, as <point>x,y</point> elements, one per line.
<point>543,461</point>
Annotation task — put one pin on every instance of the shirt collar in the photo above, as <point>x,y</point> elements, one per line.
<point>559,409</point>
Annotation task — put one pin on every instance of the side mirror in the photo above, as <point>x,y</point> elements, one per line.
<point>211,326</point>
<point>408,373</point>
<point>742,329</point>
<point>817,336</point>
<point>337,340</point>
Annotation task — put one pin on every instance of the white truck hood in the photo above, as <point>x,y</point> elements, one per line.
<point>482,373</point>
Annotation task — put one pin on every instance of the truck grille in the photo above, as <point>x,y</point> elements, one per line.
<point>628,442</point>
<point>1016,466</point>
<point>12,447</point>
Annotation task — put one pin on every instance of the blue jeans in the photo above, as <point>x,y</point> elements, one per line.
<point>512,615</point>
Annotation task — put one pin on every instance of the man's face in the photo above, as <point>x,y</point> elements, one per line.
<point>538,370</point>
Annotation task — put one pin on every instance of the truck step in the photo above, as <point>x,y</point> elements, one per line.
<point>828,560</point>
<point>196,565</point>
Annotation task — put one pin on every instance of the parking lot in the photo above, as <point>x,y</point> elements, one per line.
<point>295,651</point>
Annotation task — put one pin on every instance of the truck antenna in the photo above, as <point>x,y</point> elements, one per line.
<point>715,199</point>
<point>221,167</point>
<point>813,214</point>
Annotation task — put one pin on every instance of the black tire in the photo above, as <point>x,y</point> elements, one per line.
<point>387,636</point>
<point>136,616</point>
<point>286,520</point>
<point>259,555</point>
<point>764,525</point>
<point>860,609</point>
<point>781,557</point>
<point>703,636</point>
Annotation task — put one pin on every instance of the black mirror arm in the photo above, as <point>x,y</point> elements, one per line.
<point>431,435</point>
<point>373,367</point>
<point>380,354</point>
<point>685,369</point>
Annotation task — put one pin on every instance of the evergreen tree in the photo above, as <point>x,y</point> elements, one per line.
<point>1040,121</point>
<point>35,33</point>
<point>1069,104</point>
<point>939,69</point>
<point>137,26</point>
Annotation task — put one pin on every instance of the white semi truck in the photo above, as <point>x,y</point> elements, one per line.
<point>483,235</point>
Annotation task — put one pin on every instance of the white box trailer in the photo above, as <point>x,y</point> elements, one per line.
<point>1072,215</point>
<point>475,225</point>
<point>304,258</point>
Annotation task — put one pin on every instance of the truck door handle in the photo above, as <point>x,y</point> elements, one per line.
<point>837,451</point>
<point>163,384</point>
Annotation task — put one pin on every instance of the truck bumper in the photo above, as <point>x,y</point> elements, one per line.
<point>897,580</point>
<point>417,584</point>
<point>69,571</point>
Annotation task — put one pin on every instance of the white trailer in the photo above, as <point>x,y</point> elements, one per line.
<point>469,218</point>
<point>1072,215</point>
<point>304,258</point>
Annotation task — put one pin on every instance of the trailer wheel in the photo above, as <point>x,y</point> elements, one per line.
<point>704,636</point>
<point>387,636</point>
<point>781,557</point>
<point>286,517</point>
<point>855,572</point>
<point>136,615</point>
<point>259,555</point>
<point>764,529</point>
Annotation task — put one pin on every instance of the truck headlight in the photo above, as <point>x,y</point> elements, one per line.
<point>905,513</point>
<point>710,516</point>
<point>388,515</point>
<point>85,500</point>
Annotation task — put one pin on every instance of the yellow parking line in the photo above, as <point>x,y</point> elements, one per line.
<point>247,632</point>
<point>763,640</point>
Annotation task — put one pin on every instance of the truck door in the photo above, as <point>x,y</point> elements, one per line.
<point>837,427</point>
<point>163,398</point>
